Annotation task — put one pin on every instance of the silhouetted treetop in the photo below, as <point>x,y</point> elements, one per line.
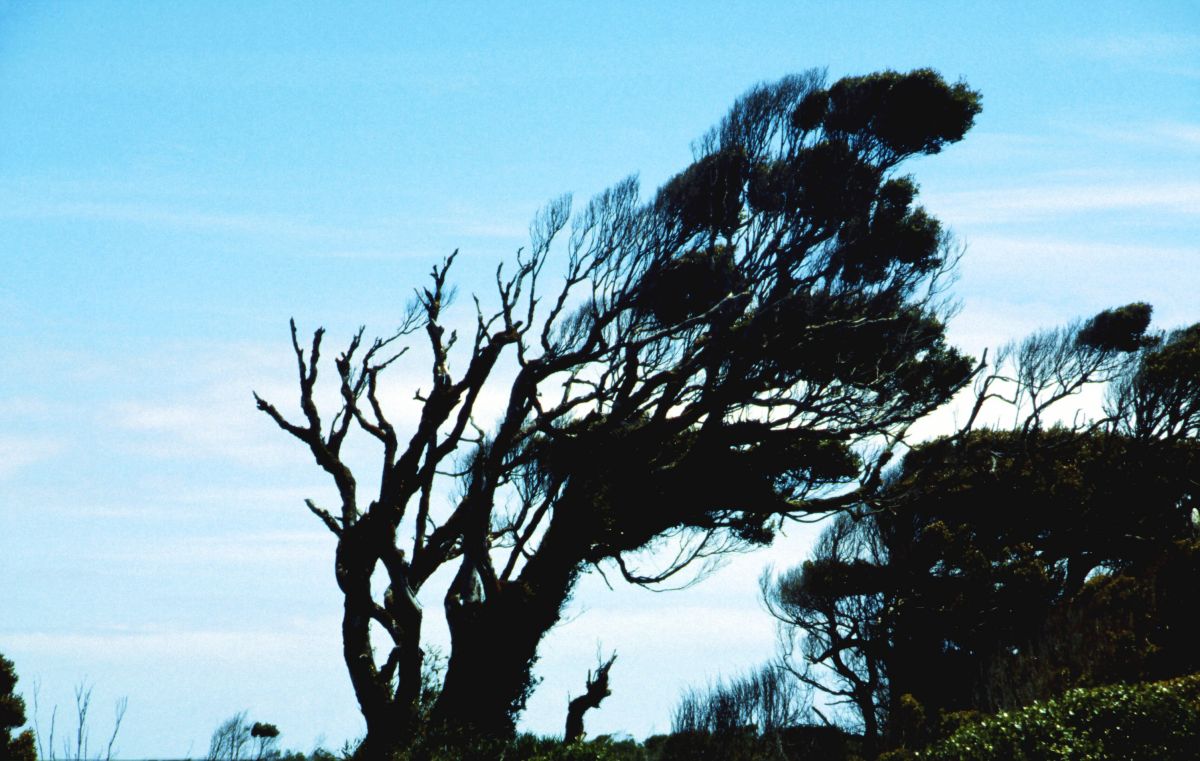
<point>891,115</point>
<point>1118,329</point>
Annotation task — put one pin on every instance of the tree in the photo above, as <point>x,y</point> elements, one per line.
<point>77,747</point>
<point>12,716</point>
<point>834,609</point>
<point>267,736</point>
<point>230,740</point>
<point>714,359</point>
<point>1161,399</point>
<point>1002,565</point>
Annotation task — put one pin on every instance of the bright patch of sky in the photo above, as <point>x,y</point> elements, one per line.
<point>177,180</point>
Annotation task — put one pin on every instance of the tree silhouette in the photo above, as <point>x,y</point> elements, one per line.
<point>1002,565</point>
<point>710,363</point>
<point>12,716</point>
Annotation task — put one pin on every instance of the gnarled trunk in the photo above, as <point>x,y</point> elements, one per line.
<point>388,696</point>
<point>495,640</point>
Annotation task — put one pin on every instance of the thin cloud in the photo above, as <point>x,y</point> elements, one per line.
<point>20,452</point>
<point>1134,46</point>
<point>1027,203</point>
<point>191,219</point>
<point>286,644</point>
<point>1169,135</point>
<point>287,547</point>
<point>990,247</point>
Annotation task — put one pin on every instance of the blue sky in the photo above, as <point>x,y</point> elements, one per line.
<point>178,179</point>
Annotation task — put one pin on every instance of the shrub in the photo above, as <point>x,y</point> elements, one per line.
<point>1151,721</point>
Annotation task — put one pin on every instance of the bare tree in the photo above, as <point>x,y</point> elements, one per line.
<point>76,748</point>
<point>709,362</point>
<point>231,740</point>
<point>767,700</point>
<point>1050,366</point>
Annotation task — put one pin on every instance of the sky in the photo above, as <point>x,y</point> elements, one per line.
<point>177,180</point>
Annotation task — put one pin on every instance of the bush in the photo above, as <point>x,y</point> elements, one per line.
<point>525,748</point>
<point>1152,721</point>
<point>800,743</point>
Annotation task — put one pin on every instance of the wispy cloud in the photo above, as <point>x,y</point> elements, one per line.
<point>1031,202</point>
<point>214,424</point>
<point>1009,247</point>
<point>286,547</point>
<point>1171,135</point>
<point>19,452</point>
<point>1165,53</point>
<point>177,217</point>
<point>1135,46</point>
<point>283,644</point>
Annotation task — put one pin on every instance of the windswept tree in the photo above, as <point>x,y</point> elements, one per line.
<point>691,368</point>
<point>1160,399</point>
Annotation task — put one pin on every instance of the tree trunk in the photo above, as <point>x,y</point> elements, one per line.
<point>390,712</point>
<point>595,691</point>
<point>494,641</point>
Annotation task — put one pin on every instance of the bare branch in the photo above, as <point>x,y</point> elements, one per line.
<point>329,521</point>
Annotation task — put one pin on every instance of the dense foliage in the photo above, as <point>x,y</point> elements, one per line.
<point>1151,721</point>
<point>1000,566</point>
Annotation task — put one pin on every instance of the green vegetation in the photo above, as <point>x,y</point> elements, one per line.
<point>1152,721</point>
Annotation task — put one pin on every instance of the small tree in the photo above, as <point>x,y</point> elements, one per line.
<point>12,717</point>
<point>77,747</point>
<point>714,359</point>
<point>267,737</point>
<point>833,612</point>
<point>230,740</point>
<point>1160,399</point>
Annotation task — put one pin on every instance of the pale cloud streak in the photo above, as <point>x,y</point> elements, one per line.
<point>1167,135</point>
<point>1132,47</point>
<point>287,644</point>
<point>19,452</point>
<point>277,547</point>
<point>186,218</point>
<point>1033,202</point>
